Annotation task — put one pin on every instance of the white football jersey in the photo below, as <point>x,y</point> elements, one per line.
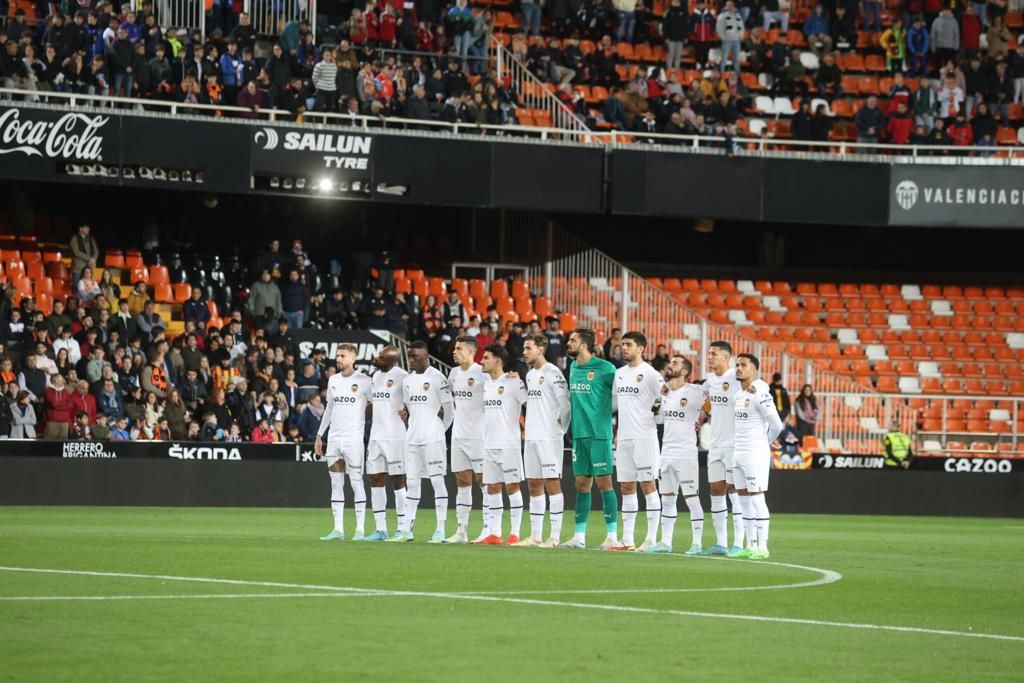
<point>547,406</point>
<point>426,395</point>
<point>344,418</point>
<point>680,409</point>
<point>388,399</point>
<point>635,392</point>
<point>468,393</point>
<point>503,404</point>
<point>720,390</point>
<point>757,420</point>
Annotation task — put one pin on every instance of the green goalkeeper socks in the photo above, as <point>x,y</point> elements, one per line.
<point>582,511</point>
<point>611,511</point>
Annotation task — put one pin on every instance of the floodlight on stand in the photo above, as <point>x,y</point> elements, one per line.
<point>275,182</point>
<point>74,169</point>
<point>343,186</point>
<point>173,175</point>
<point>287,183</point>
<point>145,172</point>
<point>200,177</point>
<point>113,171</point>
<point>300,184</point>
<point>97,170</point>
<point>325,185</point>
<point>186,176</point>
<point>159,174</point>
<point>128,173</point>
<point>357,186</point>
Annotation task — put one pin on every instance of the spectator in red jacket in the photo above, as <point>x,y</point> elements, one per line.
<point>372,23</point>
<point>60,411</point>
<point>702,32</point>
<point>960,131</point>
<point>388,25</point>
<point>970,29</point>
<point>900,125</point>
<point>263,433</point>
<point>83,401</point>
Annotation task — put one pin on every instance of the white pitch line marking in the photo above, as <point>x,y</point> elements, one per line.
<point>348,590</point>
<point>211,596</point>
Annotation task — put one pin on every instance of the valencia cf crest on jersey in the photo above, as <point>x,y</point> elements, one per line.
<point>355,388</point>
<point>682,403</point>
<point>470,382</point>
<point>746,403</point>
<point>540,381</point>
<point>426,386</point>
<point>725,386</point>
<point>639,378</point>
<point>501,390</point>
<point>391,383</point>
<point>590,376</point>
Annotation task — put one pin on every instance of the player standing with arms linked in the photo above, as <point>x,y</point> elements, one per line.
<point>590,399</point>
<point>720,387</point>
<point>680,412</point>
<point>547,419</point>
<point>757,426</point>
<point>504,398</point>
<point>343,425</point>
<point>386,455</point>
<point>467,383</point>
<point>637,396</point>
<point>428,406</point>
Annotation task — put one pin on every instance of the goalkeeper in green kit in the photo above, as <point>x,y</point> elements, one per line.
<point>590,399</point>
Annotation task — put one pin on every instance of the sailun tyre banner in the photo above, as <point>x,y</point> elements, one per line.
<point>961,196</point>
<point>311,152</point>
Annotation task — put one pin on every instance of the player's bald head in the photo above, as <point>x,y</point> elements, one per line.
<point>387,358</point>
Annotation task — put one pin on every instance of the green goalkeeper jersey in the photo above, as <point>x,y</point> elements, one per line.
<point>590,397</point>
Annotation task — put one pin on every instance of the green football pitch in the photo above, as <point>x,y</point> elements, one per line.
<point>140,594</point>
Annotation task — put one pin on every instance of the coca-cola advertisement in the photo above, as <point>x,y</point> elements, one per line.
<point>39,143</point>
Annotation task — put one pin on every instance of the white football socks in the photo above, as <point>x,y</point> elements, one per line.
<point>537,505</point>
<point>463,506</point>
<point>749,517</point>
<point>720,520</point>
<point>557,507</point>
<point>668,518</point>
<point>379,504</point>
<point>338,500</point>
<point>630,506</point>
<point>515,505</point>
<point>400,508</point>
<point>412,502</point>
<point>738,526</point>
<point>497,511</point>
<point>440,501</point>
<point>696,519</point>
<point>653,501</point>
<point>762,519</point>
<point>359,502</point>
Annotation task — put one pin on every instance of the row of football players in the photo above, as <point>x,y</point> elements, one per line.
<point>485,404</point>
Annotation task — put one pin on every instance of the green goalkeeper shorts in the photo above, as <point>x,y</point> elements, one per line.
<point>592,457</point>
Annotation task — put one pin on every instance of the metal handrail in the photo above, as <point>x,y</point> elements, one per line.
<point>702,144</point>
<point>108,101</point>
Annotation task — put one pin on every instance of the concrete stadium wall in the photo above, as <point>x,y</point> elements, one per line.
<point>28,480</point>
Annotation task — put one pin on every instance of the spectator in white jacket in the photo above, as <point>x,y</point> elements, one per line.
<point>730,31</point>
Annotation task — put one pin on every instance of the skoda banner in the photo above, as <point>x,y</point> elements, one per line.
<point>176,450</point>
<point>311,159</point>
<point>962,196</point>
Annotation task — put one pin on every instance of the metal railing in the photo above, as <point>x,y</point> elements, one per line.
<point>697,144</point>
<point>531,91</point>
<point>846,421</point>
<point>266,15</point>
<point>108,102</point>
<point>188,15</point>
<point>402,344</point>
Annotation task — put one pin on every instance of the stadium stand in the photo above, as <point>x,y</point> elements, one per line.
<point>817,80</point>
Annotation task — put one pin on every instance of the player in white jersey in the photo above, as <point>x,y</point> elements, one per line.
<point>681,412</point>
<point>757,426</point>
<point>547,419</point>
<point>504,398</point>
<point>343,424</point>
<point>467,382</point>
<point>386,454</point>
<point>636,393</point>
<point>720,386</point>
<point>428,407</point>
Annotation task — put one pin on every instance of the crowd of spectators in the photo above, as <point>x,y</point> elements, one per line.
<point>955,72</point>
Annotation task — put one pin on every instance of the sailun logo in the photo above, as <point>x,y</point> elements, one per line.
<point>906,194</point>
<point>269,137</point>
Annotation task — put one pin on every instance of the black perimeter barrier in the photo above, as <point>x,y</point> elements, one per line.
<point>290,475</point>
<point>123,149</point>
